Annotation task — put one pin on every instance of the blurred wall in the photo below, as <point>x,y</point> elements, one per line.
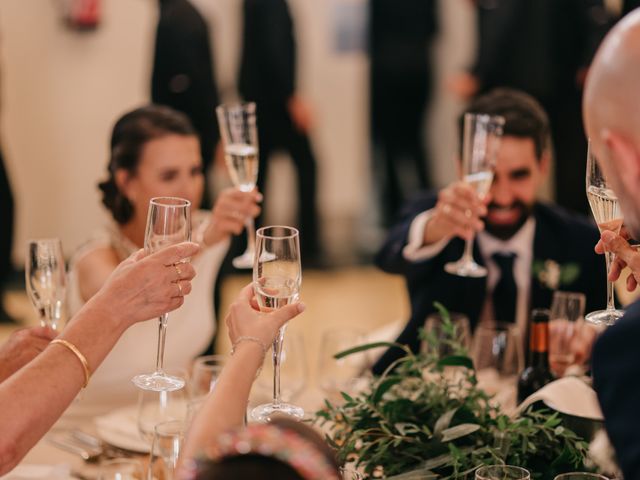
<point>62,90</point>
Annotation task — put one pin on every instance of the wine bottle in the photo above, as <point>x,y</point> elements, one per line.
<point>537,374</point>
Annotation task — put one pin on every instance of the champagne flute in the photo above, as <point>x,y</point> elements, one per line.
<point>168,223</point>
<point>277,276</point>
<point>481,139</point>
<point>46,279</point>
<point>608,216</point>
<point>240,139</point>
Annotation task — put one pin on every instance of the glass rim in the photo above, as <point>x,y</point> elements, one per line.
<point>485,117</point>
<point>500,326</point>
<point>241,105</point>
<point>158,427</point>
<point>294,232</point>
<point>179,202</point>
<point>44,240</point>
<point>565,475</point>
<point>206,358</point>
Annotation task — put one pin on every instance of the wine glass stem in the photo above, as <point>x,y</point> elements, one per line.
<point>277,350</point>
<point>162,331</point>
<point>468,251</point>
<point>251,235</point>
<point>610,298</point>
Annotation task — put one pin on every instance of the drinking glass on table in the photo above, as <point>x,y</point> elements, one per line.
<point>567,311</point>
<point>158,407</point>
<point>481,139</point>
<point>204,375</point>
<point>580,476</point>
<point>608,216</point>
<point>121,469</point>
<point>277,276</point>
<point>342,374</point>
<point>502,472</point>
<point>45,277</point>
<point>168,440</point>
<point>168,223</point>
<point>239,134</point>
<point>434,325</point>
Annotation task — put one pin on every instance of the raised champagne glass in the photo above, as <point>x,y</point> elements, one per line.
<point>277,276</point>
<point>168,223</point>
<point>608,216</point>
<point>45,278</point>
<point>239,134</point>
<point>480,142</point>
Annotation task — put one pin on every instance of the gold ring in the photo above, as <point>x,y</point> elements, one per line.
<point>180,288</point>
<point>175,265</point>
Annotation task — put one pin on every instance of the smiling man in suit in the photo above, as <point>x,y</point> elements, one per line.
<point>529,248</point>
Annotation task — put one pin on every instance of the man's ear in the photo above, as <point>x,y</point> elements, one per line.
<point>624,158</point>
<point>545,163</point>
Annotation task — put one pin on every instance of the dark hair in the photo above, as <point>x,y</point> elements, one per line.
<point>130,133</point>
<point>260,467</point>
<point>524,116</point>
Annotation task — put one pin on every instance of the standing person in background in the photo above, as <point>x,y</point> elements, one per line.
<point>183,73</point>
<point>268,78</point>
<point>400,73</point>
<point>542,47</point>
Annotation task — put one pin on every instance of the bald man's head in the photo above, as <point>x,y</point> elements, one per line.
<point>612,113</point>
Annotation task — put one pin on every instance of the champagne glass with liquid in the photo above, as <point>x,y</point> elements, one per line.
<point>46,279</point>
<point>239,134</point>
<point>608,216</point>
<point>481,139</point>
<point>168,223</point>
<point>277,276</point>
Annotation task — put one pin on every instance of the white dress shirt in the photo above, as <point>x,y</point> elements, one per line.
<point>521,244</point>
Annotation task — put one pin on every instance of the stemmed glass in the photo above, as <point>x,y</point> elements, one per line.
<point>608,216</point>
<point>168,440</point>
<point>502,472</point>
<point>481,139</point>
<point>565,321</point>
<point>168,223</point>
<point>46,279</point>
<point>277,276</point>
<point>239,134</point>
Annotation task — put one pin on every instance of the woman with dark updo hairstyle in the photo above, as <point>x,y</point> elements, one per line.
<point>154,152</point>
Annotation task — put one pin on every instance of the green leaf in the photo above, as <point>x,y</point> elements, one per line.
<point>444,421</point>
<point>384,387</point>
<point>455,361</point>
<point>368,346</point>
<point>347,397</point>
<point>569,273</point>
<point>459,431</point>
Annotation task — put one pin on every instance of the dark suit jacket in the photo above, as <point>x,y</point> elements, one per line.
<point>183,75</point>
<point>559,236</point>
<point>268,64</point>
<point>616,374</point>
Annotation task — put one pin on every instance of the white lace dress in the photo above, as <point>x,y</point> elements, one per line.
<point>189,331</point>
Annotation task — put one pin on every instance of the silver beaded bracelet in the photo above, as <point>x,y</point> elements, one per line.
<point>245,338</point>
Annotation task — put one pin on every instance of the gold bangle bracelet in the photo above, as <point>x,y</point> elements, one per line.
<point>83,360</point>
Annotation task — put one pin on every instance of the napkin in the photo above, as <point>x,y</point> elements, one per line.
<point>38,472</point>
<point>568,395</point>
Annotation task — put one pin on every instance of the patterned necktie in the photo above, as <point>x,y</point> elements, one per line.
<point>505,292</point>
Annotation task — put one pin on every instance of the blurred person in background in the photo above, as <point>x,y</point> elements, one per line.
<point>268,78</point>
<point>542,47</point>
<point>515,233</point>
<point>400,37</point>
<point>183,74</point>
<point>154,152</point>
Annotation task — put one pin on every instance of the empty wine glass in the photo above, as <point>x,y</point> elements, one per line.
<point>341,375</point>
<point>121,469</point>
<point>567,311</point>
<point>277,276</point>
<point>45,277</point>
<point>168,440</point>
<point>608,216</point>
<point>502,472</point>
<point>168,223</point>
<point>481,140</point>
<point>204,375</point>
<point>580,476</point>
<point>239,134</point>
<point>157,407</point>
<point>461,333</point>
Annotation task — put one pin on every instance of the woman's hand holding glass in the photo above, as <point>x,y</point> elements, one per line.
<point>230,213</point>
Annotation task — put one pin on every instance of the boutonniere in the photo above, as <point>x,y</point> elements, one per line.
<point>553,275</point>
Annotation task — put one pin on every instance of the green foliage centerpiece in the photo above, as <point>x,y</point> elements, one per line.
<point>425,417</point>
